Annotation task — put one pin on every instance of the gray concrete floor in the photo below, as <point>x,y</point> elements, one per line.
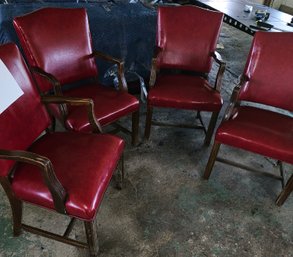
<point>165,208</point>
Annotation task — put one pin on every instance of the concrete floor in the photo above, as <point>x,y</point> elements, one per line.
<point>166,209</point>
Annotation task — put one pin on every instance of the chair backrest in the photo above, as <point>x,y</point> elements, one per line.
<point>23,121</point>
<point>270,70</point>
<point>58,40</point>
<point>187,35</point>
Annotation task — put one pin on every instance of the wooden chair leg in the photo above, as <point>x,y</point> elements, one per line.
<point>148,122</point>
<point>285,192</point>
<point>16,206</point>
<point>92,238</point>
<point>135,127</point>
<point>121,174</point>
<point>212,159</point>
<point>211,128</point>
<point>53,125</point>
<point>280,164</point>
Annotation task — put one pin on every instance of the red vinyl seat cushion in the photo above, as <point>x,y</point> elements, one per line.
<point>260,131</point>
<point>110,105</point>
<point>184,92</point>
<point>83,163</point>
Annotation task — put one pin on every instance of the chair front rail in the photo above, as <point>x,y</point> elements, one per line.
<point>62,239</point>
<point>245,167</point>
<point>189,126</point>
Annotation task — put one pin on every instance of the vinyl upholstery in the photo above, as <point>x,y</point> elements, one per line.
<point>83,162</point>
<point>63,44</point>
<point>186,37</point>
<point>259,131</point>
<point>63,48</point>
<point>185,92</point>
<point>120,103</point>
<point>269,73</point>
<point>269,69</point>
<point>20,126</point>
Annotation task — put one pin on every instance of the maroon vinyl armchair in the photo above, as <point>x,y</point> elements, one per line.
<point>267,81</point>
<point>57,45</point>
<point>185,47</point>
<point>66,172</point>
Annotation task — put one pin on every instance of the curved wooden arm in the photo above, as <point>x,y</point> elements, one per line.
<point>48,76</point>
<point>234,98</point>
<point>154,68</point>
<point>56,189</point>
<point>106,57</point>
<point>119,63</point>
<point>56,86</point>
<point>218,59</point>
<point>78,102</point>
<point>154,71</point>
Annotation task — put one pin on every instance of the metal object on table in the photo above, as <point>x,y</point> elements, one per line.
<point>235,15</point>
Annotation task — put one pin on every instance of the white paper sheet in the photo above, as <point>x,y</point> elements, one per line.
<point>9,88</point>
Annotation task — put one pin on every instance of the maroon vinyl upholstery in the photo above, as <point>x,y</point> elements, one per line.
<point>249,123</point>
<point>18,128</point>
<point>187,36</point>
<point>62,48</point>
<point>120,103</point>
<point>83,162</point>
<point>269,69</point>
<point>260,131</point>
<point>186,42</point>
<point>184,92</point>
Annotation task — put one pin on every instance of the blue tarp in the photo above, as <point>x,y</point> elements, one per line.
<point>126,31</point>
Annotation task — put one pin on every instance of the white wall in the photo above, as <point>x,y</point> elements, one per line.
<point>277,3</point>
<point>288,3</point>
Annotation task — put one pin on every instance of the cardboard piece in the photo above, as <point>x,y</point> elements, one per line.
<point>10,91</point>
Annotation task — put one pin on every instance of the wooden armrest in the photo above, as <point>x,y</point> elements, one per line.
<point>154,68</point>
<point>107,57</point>
<point>48,76</point>
<point>119,63</point>
<point>243,79</point>
<point>217,57</point>
<point>78,102</point>
<point>234,97</point>
<point>157,51</point>
<point>56,189</point>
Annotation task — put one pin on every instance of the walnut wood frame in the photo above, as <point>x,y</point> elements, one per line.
<point>63,106</point>
<point>57,191</point>
<point>234,102</point>
<point>218,83</point>
<point>96,127</point>
<point>59,198</point>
